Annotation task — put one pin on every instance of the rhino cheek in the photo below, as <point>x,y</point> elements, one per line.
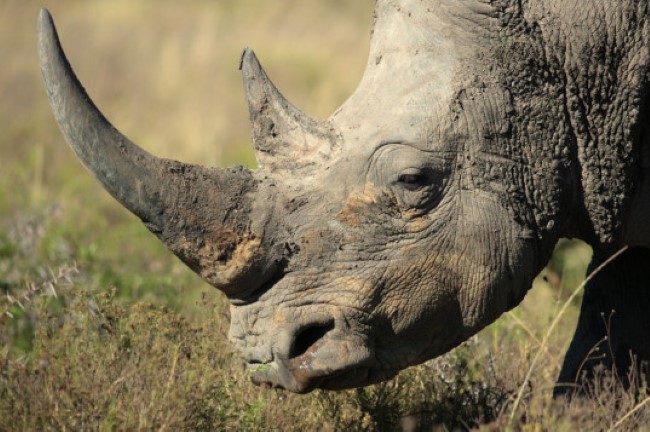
<point>500,275</point>
<point>453,282</point>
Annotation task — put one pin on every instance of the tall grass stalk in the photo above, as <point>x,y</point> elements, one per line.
<point>555,322</point>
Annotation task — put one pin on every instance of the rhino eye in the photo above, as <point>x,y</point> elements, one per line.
<point>413,180</point>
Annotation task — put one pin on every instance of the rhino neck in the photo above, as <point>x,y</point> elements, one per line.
<point>605,85</point>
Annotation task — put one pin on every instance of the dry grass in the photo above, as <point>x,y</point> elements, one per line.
<point>134,340</point>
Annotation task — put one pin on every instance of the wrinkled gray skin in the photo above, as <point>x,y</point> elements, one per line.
<point>421,210</point>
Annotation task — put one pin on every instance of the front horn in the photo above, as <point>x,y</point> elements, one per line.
<point>206,216</point>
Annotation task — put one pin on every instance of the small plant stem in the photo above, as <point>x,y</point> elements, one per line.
<point>632,411</point>
<point>552,327</point>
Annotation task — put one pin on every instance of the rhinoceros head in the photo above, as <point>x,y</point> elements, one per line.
<point>380,237</point>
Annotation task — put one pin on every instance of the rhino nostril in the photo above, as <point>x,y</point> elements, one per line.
<point>308,336</point>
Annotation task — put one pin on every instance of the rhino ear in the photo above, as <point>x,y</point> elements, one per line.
<point>284,137</point>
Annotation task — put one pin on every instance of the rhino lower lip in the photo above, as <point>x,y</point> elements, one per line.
<point>346,379</point>
<point>265,379</point>
<point>268,378</point>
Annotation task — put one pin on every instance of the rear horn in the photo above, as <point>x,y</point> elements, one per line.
<point>284,137</point>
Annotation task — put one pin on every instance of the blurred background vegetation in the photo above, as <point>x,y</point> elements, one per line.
<point>166,74</point>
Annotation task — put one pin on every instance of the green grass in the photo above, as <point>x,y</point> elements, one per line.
<point>103,329</point>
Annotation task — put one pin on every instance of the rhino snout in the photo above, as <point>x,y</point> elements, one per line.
<point>310,356</point>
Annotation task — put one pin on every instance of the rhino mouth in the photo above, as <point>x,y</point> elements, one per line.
<point>329,363</point>
<point>276,379</point>
<point>340,380</point>
<point>270,377</point>
<point>356,377</point>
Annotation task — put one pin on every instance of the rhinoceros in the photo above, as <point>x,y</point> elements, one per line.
<point>481,133</point>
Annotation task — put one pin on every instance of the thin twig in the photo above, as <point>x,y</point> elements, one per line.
<point>532,335</point>
<point>588,357</point>
<point>552,327</point>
